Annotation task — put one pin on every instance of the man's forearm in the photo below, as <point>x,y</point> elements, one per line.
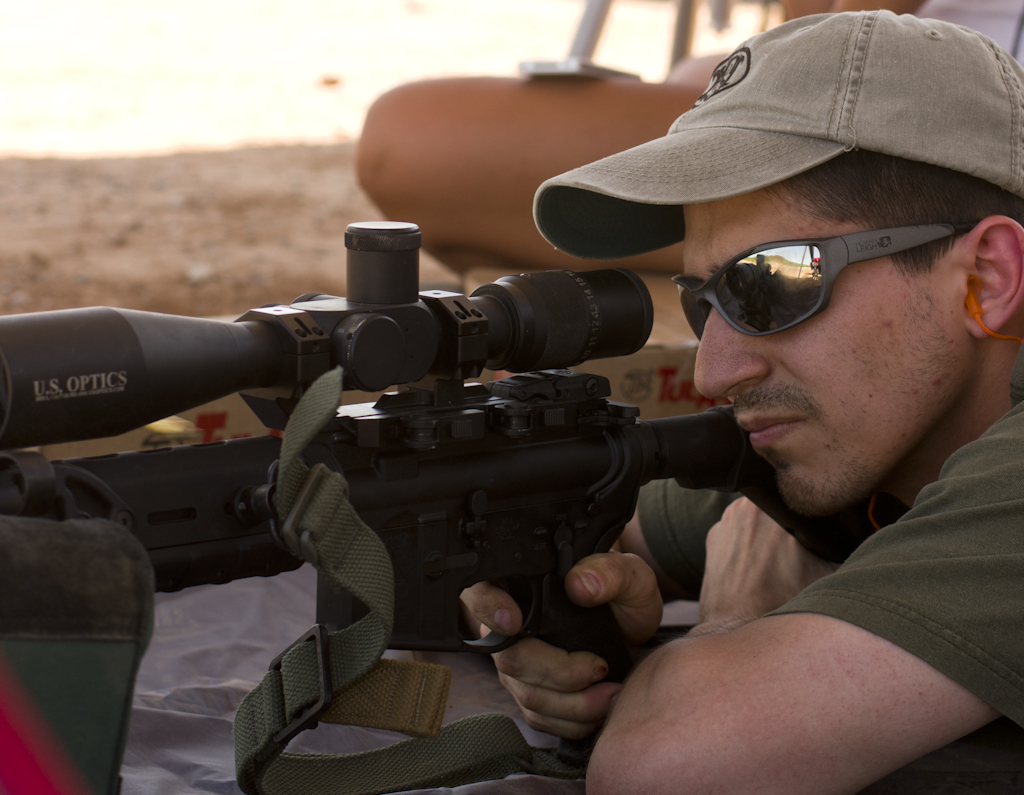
<point>790,704</point>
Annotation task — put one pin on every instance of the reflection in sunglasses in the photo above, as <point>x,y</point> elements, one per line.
<point>771,288</point>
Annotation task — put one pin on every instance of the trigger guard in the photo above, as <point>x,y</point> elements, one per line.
<point>495,641</point>
<point>490,643</point>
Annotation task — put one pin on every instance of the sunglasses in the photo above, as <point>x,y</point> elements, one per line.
<point>774,286</point>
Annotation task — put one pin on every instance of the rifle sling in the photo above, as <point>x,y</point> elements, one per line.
<point>341,678</point>
<point>406,697</point>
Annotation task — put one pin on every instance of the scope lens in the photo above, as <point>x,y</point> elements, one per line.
<point>562,318</point>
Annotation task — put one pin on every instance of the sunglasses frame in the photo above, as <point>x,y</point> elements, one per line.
<point>835,253</point>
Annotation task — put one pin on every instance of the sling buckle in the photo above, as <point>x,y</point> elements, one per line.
<point>308,718</point>
<point>302,546</point>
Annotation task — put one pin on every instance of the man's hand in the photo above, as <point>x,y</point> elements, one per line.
<point>753,566</point>
<point>562,692</point>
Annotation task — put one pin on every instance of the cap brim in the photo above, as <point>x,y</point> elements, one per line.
<point>631,202</point>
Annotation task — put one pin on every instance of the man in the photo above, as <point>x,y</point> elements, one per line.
<point>853,135</point>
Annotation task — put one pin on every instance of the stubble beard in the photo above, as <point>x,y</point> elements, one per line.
<point>825,496</point>
<point>828,493</point>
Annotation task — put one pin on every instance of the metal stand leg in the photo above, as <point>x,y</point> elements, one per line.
<point>682,41</point>
<point>579,63</point>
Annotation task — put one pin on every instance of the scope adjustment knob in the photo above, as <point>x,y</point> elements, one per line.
<point>372,351</point>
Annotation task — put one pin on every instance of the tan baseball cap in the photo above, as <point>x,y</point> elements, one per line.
<point>788,100</point>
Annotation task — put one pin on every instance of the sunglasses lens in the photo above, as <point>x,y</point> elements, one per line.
<point>771,289</point>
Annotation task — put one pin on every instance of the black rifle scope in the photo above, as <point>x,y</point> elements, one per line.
<point>86,373</point>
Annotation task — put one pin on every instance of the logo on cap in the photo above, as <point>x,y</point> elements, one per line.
<point>727,74</point>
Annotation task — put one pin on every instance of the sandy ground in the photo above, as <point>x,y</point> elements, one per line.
<point>195,233</point>
<point>196,157</point>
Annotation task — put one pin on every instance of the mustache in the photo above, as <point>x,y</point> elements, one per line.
<point>768,398</point>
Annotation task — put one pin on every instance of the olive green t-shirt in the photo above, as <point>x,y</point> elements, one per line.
<point>945,582</point>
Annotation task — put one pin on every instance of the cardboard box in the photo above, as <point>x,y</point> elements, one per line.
<point>226,418</point>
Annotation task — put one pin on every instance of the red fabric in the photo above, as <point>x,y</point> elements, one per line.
<point>32,760</point>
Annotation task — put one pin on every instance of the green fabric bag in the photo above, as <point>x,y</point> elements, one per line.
<point>76,614</point>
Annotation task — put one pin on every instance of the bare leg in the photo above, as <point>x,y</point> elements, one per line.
<point>462,158</point>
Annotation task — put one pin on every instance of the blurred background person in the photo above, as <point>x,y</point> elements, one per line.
<point>462,157</point>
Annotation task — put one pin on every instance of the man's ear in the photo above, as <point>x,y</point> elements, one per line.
<point>994,280</point>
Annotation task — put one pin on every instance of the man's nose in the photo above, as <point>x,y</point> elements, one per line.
<point>728,362</point>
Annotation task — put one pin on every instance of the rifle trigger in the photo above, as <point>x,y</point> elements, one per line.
<point>563,544</point>
<point>490,643</point>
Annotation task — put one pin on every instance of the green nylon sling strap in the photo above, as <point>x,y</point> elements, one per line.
<point>294,694</point>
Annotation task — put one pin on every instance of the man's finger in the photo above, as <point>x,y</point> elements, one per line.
<point>570,715</point>
<point>536,663</point>
<point>625,581</point>
<point>489,605</point>
<point>570,730</point>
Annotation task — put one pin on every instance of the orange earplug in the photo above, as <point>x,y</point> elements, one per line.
<point>975,311</point>
<point>973,306</point>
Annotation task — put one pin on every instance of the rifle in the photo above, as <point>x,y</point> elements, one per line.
<point>515,480</point>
